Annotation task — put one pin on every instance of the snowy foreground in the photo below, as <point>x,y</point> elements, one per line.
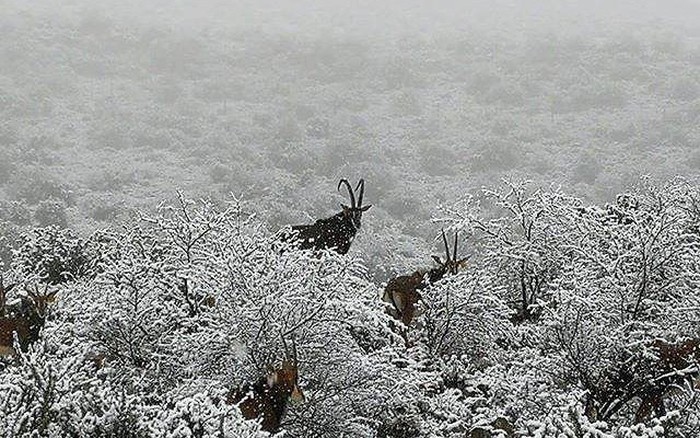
<point>567,321</point>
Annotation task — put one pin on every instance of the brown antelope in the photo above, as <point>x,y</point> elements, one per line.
<point>26,325</point>
<point>403,292</point>
<point>267,398</point>
<point>336,232</point>
<point>649,379</point>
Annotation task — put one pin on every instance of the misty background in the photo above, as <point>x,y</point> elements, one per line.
<point>111,107</point>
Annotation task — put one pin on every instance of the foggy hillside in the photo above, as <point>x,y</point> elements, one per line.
<point>560,140</point>
<point>387,17</point>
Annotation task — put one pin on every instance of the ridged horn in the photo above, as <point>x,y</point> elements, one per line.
<point>361,186</point>
<point>447,246</point>
<point>352,194</point>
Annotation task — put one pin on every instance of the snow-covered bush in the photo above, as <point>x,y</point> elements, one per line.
<point>158,322</point>
<point>56,255</point>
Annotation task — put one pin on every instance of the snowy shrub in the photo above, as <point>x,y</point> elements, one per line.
<point>156,324</point>
<point>54,254</point>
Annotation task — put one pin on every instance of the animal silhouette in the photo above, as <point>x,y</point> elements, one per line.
<point>267,398</point>
<point>403,293</point>
<point>27,324</point>
<point>336,232</point>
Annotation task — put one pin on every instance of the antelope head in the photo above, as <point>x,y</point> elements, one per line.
<point>40,300</point>
<point>286,377</point>
<point>27,324</point>
<point>451,265</point>
<point>354,211</point>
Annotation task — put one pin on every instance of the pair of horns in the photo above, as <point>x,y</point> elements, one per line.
<point>360,186</point>
<point>35,293</point>
<point>293,356</point>
<point>447,247</point>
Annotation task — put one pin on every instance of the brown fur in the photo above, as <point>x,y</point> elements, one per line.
<point>403,292</point>
<point>9,326</point>
<point>267,398</point>
<point>27,327</point>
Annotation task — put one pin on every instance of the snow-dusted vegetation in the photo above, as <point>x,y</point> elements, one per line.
<point>567,320</point>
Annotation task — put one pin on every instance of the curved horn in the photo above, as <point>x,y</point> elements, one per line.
<point>294,352</point>
<point>32,294</point>
<point>361,186</point>
<point>447,247</point>
<point>352,194</point>
<point>284,345</point>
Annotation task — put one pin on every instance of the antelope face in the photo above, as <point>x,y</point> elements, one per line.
<point>287,379</point>
<point>452,265</point>
<point>354,215</point>
<point>41,302</point>
<point>354,211</point>
<point>297,396</point>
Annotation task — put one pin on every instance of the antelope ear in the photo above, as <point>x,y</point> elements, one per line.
<point>437,260</point>
<point>272,379</point>
<point>463,261</point>
<point>366,207</point>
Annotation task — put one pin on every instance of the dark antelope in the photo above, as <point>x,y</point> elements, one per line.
<point>26,325</point>
<point>403,293</point>
<point>649,378</point>
<point>267,398</point>
<point>338,231</point>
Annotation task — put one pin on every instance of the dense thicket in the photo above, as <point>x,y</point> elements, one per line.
<point>156,322</point>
